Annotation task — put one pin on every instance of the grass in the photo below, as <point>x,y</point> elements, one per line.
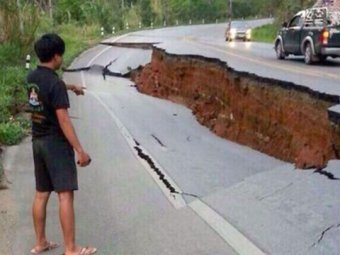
<point>86,36</point>
<point>266,33</point>
<point>11,132</point>
<point>12,101</point>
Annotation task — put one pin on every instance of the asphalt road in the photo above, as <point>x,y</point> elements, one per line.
<point>233,200</point>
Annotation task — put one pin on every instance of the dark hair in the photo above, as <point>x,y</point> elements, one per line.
<point>48,45</point>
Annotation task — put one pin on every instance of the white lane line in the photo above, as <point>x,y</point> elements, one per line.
<point>229,233</point>
<point>175,199</point>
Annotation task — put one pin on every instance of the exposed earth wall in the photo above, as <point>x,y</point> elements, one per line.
<point>287,121</point>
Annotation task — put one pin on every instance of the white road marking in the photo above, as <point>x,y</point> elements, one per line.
<point>223,228</point>
<point>230,234</point>
<point>176,199</point>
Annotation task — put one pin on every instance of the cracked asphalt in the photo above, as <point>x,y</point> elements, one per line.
<point>121,209</point>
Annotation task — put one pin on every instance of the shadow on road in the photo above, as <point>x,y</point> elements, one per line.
<point>327,63</point>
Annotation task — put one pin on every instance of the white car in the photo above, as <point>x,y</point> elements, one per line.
<point>241,32</point>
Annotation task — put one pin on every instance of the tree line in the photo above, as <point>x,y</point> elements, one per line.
<point>19,19</point>
<point>118,12</point>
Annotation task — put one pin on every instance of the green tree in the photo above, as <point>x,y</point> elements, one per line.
<point>146,12</point>
<point>285,9</point>
<point>19,21</point>
<point>102,12</point>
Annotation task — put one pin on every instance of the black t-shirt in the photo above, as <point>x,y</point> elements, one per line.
<point>46,93</point>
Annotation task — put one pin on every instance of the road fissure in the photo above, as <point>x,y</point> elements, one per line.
<point>142,46</point>
<point>146,157</point>
<point>327,174</point>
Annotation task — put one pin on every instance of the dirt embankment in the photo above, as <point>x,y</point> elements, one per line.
<point>281,119</point>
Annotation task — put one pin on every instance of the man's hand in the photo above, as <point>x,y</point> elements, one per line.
<point>83,159</point>
<point>78,90</point>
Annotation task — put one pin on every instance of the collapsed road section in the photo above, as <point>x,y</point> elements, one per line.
<point>282,119</point>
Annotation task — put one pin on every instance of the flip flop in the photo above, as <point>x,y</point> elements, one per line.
<point>49,246</point>
<point>88,251</point>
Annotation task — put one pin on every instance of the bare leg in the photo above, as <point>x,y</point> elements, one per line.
<point>67,220</point>
<point>39,217</point>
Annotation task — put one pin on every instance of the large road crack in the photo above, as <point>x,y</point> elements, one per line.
<point>158,171</point>
<point>74,70</point>
<point>104,70</point>
<point>134,45</point>
<point>327,174</point>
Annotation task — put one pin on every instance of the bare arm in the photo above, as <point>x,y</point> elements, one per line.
<point>68,130</point>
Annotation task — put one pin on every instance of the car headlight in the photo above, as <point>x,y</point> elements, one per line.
<point>233,32</point>
<point>248,33</point>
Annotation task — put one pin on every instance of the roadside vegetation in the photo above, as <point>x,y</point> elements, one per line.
<point>266,33</point>
<point>281,11</point>
<point>17,36</point>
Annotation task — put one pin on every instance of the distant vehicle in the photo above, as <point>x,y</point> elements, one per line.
<point>313,33</point>
<point>238,32</point>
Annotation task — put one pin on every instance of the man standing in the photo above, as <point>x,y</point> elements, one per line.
<point>54,143</point>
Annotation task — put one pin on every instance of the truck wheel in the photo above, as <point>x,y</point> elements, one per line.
<point>279,52</point>
<point>309,57</point>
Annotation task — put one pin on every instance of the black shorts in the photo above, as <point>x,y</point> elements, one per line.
<point>54,164</point>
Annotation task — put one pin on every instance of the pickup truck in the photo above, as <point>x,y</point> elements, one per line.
<point>313,33</point>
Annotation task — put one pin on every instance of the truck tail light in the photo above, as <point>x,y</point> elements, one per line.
<point>324,36</point>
